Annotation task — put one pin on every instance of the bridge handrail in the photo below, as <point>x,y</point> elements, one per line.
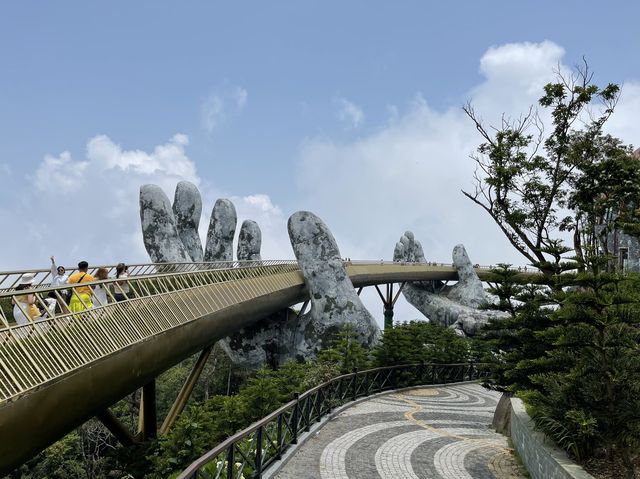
<point>259,445</point>
<point>9,279</point>
<point>167,271</point>
<point>42,277</point>
<point>42,350</point>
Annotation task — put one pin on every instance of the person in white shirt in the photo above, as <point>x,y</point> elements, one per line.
<point>59,277</point>
<point>100,290</point>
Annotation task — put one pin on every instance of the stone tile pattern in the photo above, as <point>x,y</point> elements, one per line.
<point>429,433</point>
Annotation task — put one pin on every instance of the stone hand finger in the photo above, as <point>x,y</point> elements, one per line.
<point>222,228</point>
<point>468,290</point>
<point>187,209</point>
<point>249,241</point>
<point>159,228</point>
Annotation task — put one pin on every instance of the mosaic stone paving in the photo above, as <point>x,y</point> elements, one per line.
<point>428,433</point>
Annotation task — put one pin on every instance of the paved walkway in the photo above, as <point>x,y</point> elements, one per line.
<point>428,433</point>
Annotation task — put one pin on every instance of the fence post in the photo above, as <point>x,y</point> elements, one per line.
<point>319,405</point>
<point>355,384</point>
<point>230,462</point>
<point>258,472</point>
<point>420,372</point>
<point>279,437</point>
<point>309,410</point>
<point>294,419</point>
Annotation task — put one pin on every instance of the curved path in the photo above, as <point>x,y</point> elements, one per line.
<point>428,433</point>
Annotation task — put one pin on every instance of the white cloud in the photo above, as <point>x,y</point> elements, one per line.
<point>212,112</point>
<point>407,175</point>
<point>88,208</point>
<point>221,103</point>
<point>349,113</point>
<point>60,173</point>
<point>624,122</point>
<point>241,96</point>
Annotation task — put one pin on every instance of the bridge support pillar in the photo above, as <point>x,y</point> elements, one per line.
<point>388,301</point>
<point>115,427</point>
<point>388,316</point>
<point>187,388</point>
<point>148,412</point>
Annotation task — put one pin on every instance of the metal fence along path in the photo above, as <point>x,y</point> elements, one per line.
<point>251,451</point>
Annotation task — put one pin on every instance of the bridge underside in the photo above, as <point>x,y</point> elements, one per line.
<point>39,417</point>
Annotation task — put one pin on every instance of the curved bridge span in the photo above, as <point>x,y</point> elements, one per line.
<point>59,372</point>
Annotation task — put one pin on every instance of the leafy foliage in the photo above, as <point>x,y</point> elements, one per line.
<point>571,347</point>
<point>524,178</point>
<point>418,341</point>
<point>346,351</point>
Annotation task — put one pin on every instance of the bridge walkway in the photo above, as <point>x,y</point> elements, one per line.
<point>439,432</point>
<point>170,313</point>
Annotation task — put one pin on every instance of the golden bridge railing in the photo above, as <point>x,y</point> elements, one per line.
<point>42,277</point>
<point>47,348</point>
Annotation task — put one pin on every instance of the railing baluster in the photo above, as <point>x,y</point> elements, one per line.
<point>294,419</point>
<point>230,461</point>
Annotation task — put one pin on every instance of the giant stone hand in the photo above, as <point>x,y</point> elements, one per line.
<point>334,301</point>
<point>455,306</point>
<point>170,233</point>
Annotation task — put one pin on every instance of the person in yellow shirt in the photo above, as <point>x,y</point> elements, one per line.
<point>81,296</point>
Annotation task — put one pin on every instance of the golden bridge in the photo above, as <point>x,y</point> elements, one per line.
<point>59,371</point>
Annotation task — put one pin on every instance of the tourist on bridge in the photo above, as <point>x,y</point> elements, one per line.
<point>59,277</point>
<point>100,290</point>
<point>25,307</point>
<point>121,287</point>
<point>81,295</point>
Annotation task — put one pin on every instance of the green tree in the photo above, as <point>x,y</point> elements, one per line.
<point>523,176</point>
<point>418,341</point>
<point>346,351</point>
<point>605,193</point>
<point>589,397</point>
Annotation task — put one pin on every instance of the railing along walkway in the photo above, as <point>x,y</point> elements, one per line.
<point>161,297</point>
<point>48,348</point>
<point>250,452</point>
<point>42,277</point>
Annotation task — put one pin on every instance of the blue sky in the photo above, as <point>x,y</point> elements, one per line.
<point>348,109</point>
<point>139,71</point>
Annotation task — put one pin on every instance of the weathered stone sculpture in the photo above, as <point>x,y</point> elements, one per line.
<point>187,208</point>
<point>334,301</point>
<point>159,227</point>
<point>222,228</point>
<point>170,233</point>
<point>271,341</point>
<point>454,306</point>
<point>249,241</point>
